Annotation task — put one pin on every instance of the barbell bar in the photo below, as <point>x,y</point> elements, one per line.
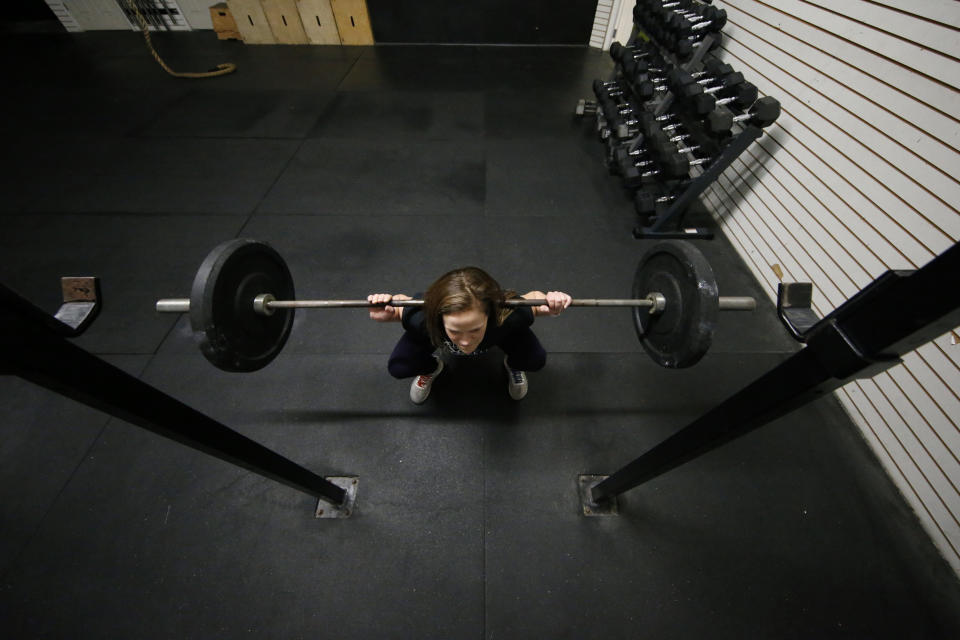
<point>266,304</point>
<point>242,303</point>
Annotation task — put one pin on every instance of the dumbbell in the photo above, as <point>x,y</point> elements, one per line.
<point>670,162</point>
<point>601,88</point>
<point>618,51</point>
<point>763,113</point>
<point>710,20</point>
<point>585,106</point>
<point>647,89</point>
<point>652,127</point>
<point>688,84</point>
<point>612,97</point>
<point>637,173</point>
<point>674,25</point>
<point>665,4</point>
<point>637,122</point>
<point>633,68</point>
<point>682,161</point>
<point>624,117</point>
<point>647,52</point>
<point>645,201</point>
<point>669,169</point>
<point>685,48</point>
<point>655,150</point>
<point>716,67</point>
<point>653,137</point>
<point>742,95</point>
<point>684,81</point>
<point>646,123</point>
<point>612,106</point>
<point>693,91</point>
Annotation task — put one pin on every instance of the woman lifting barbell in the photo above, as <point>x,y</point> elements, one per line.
<point>463,315</point>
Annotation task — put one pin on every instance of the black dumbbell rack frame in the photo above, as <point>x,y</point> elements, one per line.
<point>667,220</point>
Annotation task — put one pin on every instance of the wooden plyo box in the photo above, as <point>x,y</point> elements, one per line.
<point>318,21</point>
<point>353,21</point>
<point>251,21</point>
<point>223,23</point>
<point>284,19</point>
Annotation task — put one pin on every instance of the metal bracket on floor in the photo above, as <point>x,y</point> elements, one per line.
<point>590,507</point>
<point>345,510</point>
<point>794,302</point>
<point>81,304</point>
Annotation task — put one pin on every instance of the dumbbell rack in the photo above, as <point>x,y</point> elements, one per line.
<point>667,221</point>
<point>662,32</point>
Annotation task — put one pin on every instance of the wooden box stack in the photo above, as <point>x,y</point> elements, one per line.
<point>296,21</point>
<point>223,23</point>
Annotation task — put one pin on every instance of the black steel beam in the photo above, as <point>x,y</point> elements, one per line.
<point>33,349</point>
<point>898,312</point>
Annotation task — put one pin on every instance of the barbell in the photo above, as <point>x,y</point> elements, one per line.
<point>242,303</point>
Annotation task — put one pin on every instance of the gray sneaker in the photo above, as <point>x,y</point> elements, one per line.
<point>516,382</point>
<point>420,387</point>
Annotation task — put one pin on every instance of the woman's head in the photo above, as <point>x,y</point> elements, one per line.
<point>459,305</point>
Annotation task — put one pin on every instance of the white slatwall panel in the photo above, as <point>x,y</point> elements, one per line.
<point>62,12</point>
<point>859,176</point>
<point>96,15</point>
<point>601,20</point>
<point>103,15</point>
<point>197,13</point>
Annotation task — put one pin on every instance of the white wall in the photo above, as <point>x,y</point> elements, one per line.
<point>96,15</point>
<point>619,25</point>
<point>197,12</point>
<point>859,175</point>
<point>601,22</point>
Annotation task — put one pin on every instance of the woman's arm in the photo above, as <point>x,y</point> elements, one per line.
<point>387,313</point>
<point>557,301</point>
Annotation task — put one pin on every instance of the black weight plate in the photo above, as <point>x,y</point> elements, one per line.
<point>232,335</point>
<point>680,335</point>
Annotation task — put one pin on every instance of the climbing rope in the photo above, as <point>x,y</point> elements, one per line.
<point>219,70</point>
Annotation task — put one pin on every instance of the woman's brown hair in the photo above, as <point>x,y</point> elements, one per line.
<point>459,290</point>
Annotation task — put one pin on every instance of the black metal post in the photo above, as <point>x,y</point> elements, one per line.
<point>34,349</point>
<point>898,312</point>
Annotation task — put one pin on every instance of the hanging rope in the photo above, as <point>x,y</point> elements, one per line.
<point>219,70</point>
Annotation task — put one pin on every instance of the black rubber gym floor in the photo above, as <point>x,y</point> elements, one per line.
<point>376,169</point>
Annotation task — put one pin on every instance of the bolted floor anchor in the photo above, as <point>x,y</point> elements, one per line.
<point>345,510</point>
<point>592,508</point>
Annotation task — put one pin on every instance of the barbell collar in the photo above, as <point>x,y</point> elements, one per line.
<point>736,303</point>
<point>174,305</point>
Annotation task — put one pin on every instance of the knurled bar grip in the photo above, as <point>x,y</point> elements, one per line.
<point>725,303</point>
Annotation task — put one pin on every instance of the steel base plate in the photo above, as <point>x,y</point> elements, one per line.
<point>590,508</point>
<point>327,510</point>
<point>686,233</point>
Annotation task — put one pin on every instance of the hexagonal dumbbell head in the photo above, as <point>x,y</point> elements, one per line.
<point>675,165</point>
<point>765,111</point>
<point>744,94</point>
<point>718,123</point>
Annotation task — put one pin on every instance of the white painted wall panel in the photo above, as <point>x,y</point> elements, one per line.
<point>62,12</point>
<point>601,22</point>
<point>197,13</point>
<point>928,34</point>
<point>859,176</point>
<point>781,18</point>
<point>863,176</point>
<point>861,105</point>
<point>942,11</point>
<point>906,53</point>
